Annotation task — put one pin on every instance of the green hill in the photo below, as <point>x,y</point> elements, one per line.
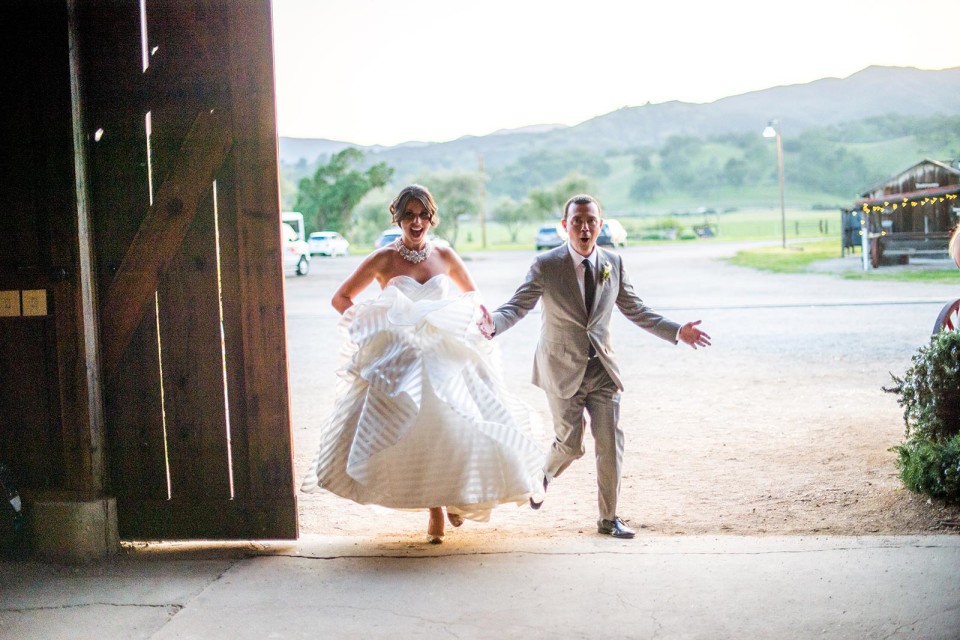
<point>840,136</point>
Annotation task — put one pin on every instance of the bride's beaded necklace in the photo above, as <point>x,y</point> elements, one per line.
<point>413,255</point>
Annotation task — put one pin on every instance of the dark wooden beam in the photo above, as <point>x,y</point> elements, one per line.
<point>257,203</point>
<point>162,231</point>
<point>78,339</point>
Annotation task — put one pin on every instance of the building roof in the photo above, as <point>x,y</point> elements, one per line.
<point>933,192</point>
<point>930,192</point>
<point>946,166</point>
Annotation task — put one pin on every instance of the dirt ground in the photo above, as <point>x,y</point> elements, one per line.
<point>780,428</point>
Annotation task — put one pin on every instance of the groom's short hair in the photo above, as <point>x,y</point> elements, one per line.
<point>581,198</point>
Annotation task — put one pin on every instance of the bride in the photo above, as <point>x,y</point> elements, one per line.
<point>421,419</point>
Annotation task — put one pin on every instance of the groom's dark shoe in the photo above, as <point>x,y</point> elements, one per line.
<point>615,528</point>
<point>535,504</point>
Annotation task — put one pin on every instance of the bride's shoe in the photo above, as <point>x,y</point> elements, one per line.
<point>455,519</point>
<point>435,527</point>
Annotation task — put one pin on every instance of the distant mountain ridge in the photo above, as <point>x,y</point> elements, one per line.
<point>874,91</point>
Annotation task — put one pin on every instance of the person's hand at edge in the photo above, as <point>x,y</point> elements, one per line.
<point>691,335</point>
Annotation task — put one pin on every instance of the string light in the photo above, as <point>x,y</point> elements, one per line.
<point>866,208</point>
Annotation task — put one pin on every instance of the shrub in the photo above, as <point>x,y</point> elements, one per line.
<point>930,389</point>
<point>929,458</point>
<point>931,468</point>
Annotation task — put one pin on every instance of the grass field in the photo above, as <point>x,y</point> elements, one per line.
<point>797,258</point>
<point>812,235</point>
<point>752,224</point>
<point>747,224</point>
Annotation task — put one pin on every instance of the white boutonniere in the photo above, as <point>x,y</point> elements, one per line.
<point>605,272</point>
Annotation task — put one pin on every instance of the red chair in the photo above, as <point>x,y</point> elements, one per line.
<point>949,318</point>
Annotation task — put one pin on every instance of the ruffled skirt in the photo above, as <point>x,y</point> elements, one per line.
<point>422,418</point>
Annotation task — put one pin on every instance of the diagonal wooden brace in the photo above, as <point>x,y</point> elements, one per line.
<point>202,154</point>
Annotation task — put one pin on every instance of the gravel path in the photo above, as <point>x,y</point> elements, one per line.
<point>780,428</point>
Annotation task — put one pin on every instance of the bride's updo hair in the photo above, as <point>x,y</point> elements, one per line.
<point>414,192</point>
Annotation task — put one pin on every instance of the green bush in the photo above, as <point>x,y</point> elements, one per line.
<point>929,458</point>
<point>930,389</point>
<point>931,468</point>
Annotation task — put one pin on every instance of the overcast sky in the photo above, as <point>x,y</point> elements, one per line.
<point>392,71</point>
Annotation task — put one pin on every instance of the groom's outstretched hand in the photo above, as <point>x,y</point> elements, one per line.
<point>691,335</point>
<point>485,324</point>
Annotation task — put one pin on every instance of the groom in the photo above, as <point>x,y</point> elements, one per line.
<point>580,284</point>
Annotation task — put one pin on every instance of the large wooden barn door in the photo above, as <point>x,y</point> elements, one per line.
<point>179,109</point>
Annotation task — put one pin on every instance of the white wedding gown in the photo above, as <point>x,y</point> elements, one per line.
<point>422,418</point>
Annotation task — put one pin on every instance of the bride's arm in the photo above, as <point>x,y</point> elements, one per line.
<point>457,270</point>
<point>360,279</point>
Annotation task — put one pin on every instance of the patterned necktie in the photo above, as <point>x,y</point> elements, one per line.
<point>589,286</point>
<point>589,292</point>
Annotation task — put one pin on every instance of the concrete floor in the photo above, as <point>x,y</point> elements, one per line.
<point>587,587</point>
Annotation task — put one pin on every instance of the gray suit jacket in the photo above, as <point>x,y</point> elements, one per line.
<point>567,329</point>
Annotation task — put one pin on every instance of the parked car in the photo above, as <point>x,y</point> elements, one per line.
<point>328,243</point>
<point>550,236</point>
<point>612,234</point>
<point>388,236</point>
<point>296,252</point>
<point>391,234</point>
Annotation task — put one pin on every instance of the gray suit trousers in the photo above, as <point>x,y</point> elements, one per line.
<point>599,396</point>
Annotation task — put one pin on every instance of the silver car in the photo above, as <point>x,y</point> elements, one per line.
<point>328,243</point>
<point>550,236</point>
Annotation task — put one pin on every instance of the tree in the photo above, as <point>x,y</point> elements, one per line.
<point>541,168</point>
<point>512,215</point>
<point>328,198</point>
<point>642,158</point>
<point>677,160</point>
<point>823,165</point>
<point>458,194</point>
<point>548,202</point>
<point>371,217</point>
<point>646,186</point>
<point>735,172</point>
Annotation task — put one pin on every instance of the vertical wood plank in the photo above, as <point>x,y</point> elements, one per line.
<point>193,367</point>
<point>136,429</point>
<point>257,204</point>
<point>74,301</point>
<point>232,327</point>
<point>185,71</point>
<point>112,72</point>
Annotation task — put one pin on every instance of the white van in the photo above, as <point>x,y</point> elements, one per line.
<point>612,234</point>
<point>294,248</point>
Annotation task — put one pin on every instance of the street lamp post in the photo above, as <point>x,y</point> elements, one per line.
<point>773,131</point>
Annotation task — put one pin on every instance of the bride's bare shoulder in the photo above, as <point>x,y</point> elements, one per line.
<point>447,252</point>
